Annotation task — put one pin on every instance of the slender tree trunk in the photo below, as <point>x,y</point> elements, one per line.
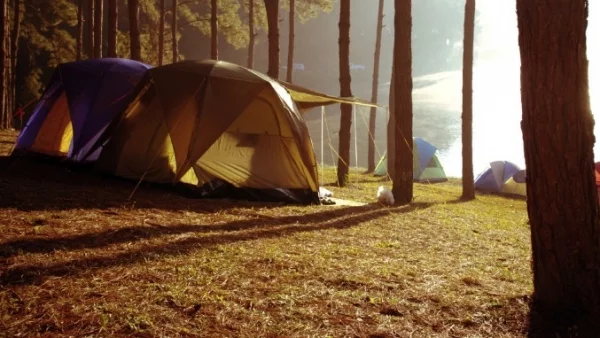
<point>79,47</point>
<point>558,135</point>
<point>374,90</point>
<point>3,53</point>
<point>91,28</point>
<point>290,60</point>
<point>161,33</point>
<point>7,64</point>
<point>15,51</point>
<point>391,129</point>
<point>174,31</point>
<point>214,30</point>
<point>252,34</point>
<point>345,91</point>
<point>113,28</point>
<point>272,8</point>
<point>468,183</point>
<point>403,163</point>
<point>98,29</point>
<point>134,30</point>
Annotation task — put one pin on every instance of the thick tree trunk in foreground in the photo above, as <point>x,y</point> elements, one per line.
<point>98,29</point>
<point>272,7</point>
<point>134,30</point>
<point>252,34</point>
<point>174,31</point>
<point>214,30</point>
<point>558,135</point>
<point>374,91</point>
<point>90,20</point>
<point>161,33</point>
<point>468,183</point>
<point>403,161</point>
<point>345,91</point>
<point>292,32</point>
<point>79,42</point>
<point>113,27</point>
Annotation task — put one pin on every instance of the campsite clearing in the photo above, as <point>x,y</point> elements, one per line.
<point>78,259</point>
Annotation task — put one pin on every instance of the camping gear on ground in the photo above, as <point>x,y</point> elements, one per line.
<point>426,165</point>
<point>79,102</point>
<point>385,195</point>
<point>502,177</point>
<point>221,127</point>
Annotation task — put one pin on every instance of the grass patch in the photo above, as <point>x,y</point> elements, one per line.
<point>78,259</point>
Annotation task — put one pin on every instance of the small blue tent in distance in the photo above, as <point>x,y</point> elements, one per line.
<point>497,175</point>
<point>79,102</point>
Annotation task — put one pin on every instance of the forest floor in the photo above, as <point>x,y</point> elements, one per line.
<point>78,259</point>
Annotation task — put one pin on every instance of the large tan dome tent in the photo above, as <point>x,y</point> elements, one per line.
<point>217,126</point>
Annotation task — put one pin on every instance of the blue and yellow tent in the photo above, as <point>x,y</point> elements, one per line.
<point>502,177</point>
<point>80,101</point>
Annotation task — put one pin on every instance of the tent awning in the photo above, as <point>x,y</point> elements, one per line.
<point>306,98</point>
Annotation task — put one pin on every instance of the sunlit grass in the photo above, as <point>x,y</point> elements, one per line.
<point>78,259</point>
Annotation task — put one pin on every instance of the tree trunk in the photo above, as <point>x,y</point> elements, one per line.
<point>214,30</point>
<point>391,129</point>
<point>113,27</point>
<point>15,51</point>
<point>403,161</point>
<point>272,8</point>
<point>134,30</point>
<point>468,184</point>
<point>3,82</point>
<point>99,13</point>
<point>374,91</point>
<point>161,33</point>
<point>345,91</point>
<point>252,34</point>
<point>174,31</point>
<point>79,47</point>
<point>8,75</point>
<point>558,135</point>
<point>91,29</point>
<point>292,31</point>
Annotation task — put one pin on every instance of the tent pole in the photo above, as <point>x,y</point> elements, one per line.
<point>322,143</point>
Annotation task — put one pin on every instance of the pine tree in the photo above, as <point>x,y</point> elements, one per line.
<point>113,28</point>
<point>214,30</point>
<point>468,184</point>
<point>272,8</point>
<point>374,90</point>
<point>134,30</point>
<point>345,91</point>
<point>292,30</point>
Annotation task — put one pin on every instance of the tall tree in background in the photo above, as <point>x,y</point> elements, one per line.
<point>113,27</point>
<point>345,91</point>
<point>214,30</point>
<point>272,8</point>
<point>557,119</point>
<point>468,185</point>
<point>174,31</point>
<point>134,30</point>
<point>291,37</point>
<point>403,164</point>
<point>90,20</point>
<point>79,46</point>
<point>16,29</point>
<point>161,33</point>
<point>99,14</point>
<point>251,34</point>
<point>374,90</point>
<point>3,53</point>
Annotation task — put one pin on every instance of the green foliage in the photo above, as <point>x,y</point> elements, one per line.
<point>309,9</point>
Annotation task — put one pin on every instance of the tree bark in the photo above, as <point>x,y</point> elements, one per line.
<point>174,31</point>
<point>468,184</point>
<point>3,113</point>
<point>161,33</point>
<point>8,75</point>
<point>252,34</point>
<point>374,90</point>
<point>113,27</point>
<point>291,37</point>
<point>99,13</point>
<point>403,162</point>
<point>558,135</point>
<point>272,8</point>
<point>391,129</point>
<point>15,51</point>
<point>345,91</point>
<point>134,30</point>
<point>214,30</point>
<point>79,47</point>
<point>90,20</point>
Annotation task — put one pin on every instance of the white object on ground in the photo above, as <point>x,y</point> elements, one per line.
<point>324,193</point>
<point>384,195</point>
